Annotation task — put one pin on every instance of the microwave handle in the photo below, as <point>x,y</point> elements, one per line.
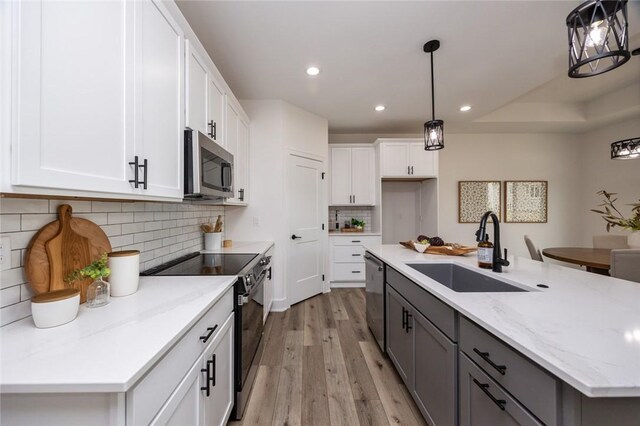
<point>227,175</point>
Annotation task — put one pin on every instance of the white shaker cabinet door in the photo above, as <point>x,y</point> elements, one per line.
<point>341,176</point>
<point>185,406</point>
<point>216,103</point>
<point>363,175</point>
<point>219,360</point>
<point>424,163</point>
<point>159,98</point>
<point>241,162</point>
<point>73,95</point>
<point>394,160</point>
<point>197,79</point>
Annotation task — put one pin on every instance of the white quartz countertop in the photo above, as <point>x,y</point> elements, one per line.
<point>243,247</point>
<point>106,349</point>
<point>584,329</point>
<point>352,234</point>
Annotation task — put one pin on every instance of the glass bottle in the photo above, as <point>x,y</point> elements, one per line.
<point>98,293</point>
<point>485,253</point>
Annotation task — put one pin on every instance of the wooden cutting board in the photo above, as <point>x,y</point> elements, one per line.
<point>59,248</point>
<point>443,250</point>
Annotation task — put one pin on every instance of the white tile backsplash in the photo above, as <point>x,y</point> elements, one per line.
<point>347,213</point>
<point>160,231</point>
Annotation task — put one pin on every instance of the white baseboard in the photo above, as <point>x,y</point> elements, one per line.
<point>279,305</point>
<point>348,284</point>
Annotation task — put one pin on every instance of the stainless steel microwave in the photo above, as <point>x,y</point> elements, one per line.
<point>208,169</point>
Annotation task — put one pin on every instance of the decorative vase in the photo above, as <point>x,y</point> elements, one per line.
<point>633,240</point>
<point>98,293</point>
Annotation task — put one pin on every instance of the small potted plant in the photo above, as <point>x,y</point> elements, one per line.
<point>98,291</point>
<point>358,224</point>
<point>614,218</point>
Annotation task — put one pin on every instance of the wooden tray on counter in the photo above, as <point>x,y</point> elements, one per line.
<point>351,230</point>
<point>443,250</point>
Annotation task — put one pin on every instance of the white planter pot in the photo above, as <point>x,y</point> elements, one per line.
<point>633,240</point>
<point>212,240</point>
<point>125,272</point>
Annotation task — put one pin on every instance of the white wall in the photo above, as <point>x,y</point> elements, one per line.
<point>276,127</point>
<point>598,172</point>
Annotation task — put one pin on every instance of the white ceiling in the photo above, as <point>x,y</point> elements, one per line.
<point>508,59</point>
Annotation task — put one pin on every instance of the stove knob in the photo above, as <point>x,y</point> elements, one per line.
<point>247,280</point>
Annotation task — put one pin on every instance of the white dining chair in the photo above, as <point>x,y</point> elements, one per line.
<point>533,251</point>
<point>625,264</point>
<point>610,241</point>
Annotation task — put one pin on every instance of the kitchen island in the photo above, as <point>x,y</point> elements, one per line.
<point>580,330</point>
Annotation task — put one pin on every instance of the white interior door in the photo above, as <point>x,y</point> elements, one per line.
<point>305,266</point>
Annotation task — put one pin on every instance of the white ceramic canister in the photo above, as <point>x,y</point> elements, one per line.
<point>55,307</point>
<point>212,240</point>
<point>125,272</point>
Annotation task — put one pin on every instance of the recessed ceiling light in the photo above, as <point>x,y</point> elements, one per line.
<point>465,108</point>
<point>380,107</point>
<point>313,71</point>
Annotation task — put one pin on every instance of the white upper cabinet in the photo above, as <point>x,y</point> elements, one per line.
<point>352,175</point>
<point>407,159</point>
<point>159,99</point>
<point>74,95</point>
<point>215,118</point>
<point>237,142</point>
<point>93,97</point>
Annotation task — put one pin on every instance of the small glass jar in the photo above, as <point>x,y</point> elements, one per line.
<point>98,293</point>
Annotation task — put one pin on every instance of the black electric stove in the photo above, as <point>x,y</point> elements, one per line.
<point>204,264</point>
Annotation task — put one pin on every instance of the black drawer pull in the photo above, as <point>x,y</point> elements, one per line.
<point>207,380</point>
<point>208,335</point>
<point>404,318</point>
<point>485,388</point>
<point>355,241</point>
<point>213,370</point>
<point>409,327</point>
<point>502,369</point>
<point>355,272</point>
<point>355,254</point>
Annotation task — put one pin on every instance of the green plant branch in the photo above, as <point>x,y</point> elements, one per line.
<point>94,270</point>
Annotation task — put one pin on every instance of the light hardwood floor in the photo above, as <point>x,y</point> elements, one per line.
<point>321,366</point>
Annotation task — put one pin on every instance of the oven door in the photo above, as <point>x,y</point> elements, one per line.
<point>249,345</point>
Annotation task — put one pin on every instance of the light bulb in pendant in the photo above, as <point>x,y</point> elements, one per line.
<point>597,34</point>
<point>433,135</point>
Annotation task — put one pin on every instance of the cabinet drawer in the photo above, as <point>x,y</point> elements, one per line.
<point>149,394</point>
<point>348,254</point>
<point>483,402</point>
<point>532,386</point>
<point>348,272</point>
<point>428,305</point>
<point>354,240</point>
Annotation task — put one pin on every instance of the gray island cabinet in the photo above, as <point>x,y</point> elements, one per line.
<point>460,374</point>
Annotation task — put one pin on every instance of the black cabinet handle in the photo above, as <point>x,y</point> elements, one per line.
<point>409,316</point>
<point>213,370</point>
<point>135,180</point>
<point>295,237</point>
<point>212,133</point>
<point>208,335</point>
<point>408,170</point>
<point>207,380</point>
<point>269,274</point>
<point>411,169</point>
<point>502,369</point>
<point>355,241</point>
<point>355,254</point>
<point>485,388</point>
<point>355,272</point>
<point>145,166</point>
<point>404,318</point>
<point>241,194</point>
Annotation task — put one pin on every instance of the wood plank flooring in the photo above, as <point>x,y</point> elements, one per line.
<point>322,367</point>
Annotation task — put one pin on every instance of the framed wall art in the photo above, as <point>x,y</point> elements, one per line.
<point>525,201</point>
<point>477,197</point>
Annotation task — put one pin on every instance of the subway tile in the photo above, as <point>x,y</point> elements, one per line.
<point>31,222</point>
<point>97,218</point>
<point>142,237</point>
<point>112,230</point>
<point>16,258</point>
<point>114,218</point>
<point>152,245</point>
<point>152,226</point>
<point>106,206</point>
<point>152,207</point>
<point>132,207</point>
<point>9,296</point>
<point>20,240</point>
<point>169,207</point>
<point>132,228</point>
<point>169,241</point>
<point>15,312</point>
<point>25,292</point>
<point>168,224</point>
<point>161,234</point>
<point>161,215</point>
<point>9,222</point>
<point>139,247</point>
<point>143,217</point>
<point>163,251</point>
<point>121,240</point>
<point>23,205</point>
<point>77,206</point>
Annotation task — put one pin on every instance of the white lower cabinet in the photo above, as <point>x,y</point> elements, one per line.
<point>347,257</point>
<point>268,286</point>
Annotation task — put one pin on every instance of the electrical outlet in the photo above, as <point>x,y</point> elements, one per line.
<point>5,253</point>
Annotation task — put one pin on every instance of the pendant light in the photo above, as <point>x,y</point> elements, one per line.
<point>433,129</point>
<point>626,149</point>
<point>598,37</point>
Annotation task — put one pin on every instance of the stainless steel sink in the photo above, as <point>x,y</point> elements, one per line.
<point>463,280</point>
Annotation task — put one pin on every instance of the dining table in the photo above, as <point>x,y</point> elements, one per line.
<point>596,260</point>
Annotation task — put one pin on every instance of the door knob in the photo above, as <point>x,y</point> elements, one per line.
<point>295,237</point>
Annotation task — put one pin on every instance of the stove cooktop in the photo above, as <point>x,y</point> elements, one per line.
<point>203,264</point>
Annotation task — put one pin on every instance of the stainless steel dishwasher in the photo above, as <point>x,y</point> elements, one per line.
<point>375,297</point>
